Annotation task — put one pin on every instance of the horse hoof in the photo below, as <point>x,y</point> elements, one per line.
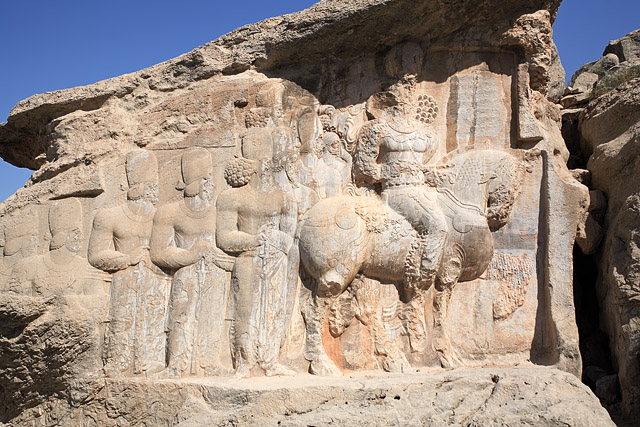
<point>323,366</point>
<point>449,360</point>
<point>279,370</point>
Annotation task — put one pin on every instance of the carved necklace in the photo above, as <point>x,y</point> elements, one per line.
<point>142,218</point>
<point>192,213</point>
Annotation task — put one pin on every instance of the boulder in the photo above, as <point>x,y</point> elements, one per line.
<point>626,48</point>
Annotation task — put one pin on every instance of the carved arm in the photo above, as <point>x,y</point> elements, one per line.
<point>228,237</point>
<point>101,253</point>
<point>164,252</point>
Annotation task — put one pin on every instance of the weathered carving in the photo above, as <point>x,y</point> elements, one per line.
<point>371,237</point>
<point>60,271</point>
<point>257,222</point>
<point>183,240</point>
<point>19,239</point>
<point>119,244</point>
<point>363,210</point>
<point>392,151</point>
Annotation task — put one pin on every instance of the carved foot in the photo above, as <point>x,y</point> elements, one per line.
<point>324,366</point>
<point>168,373</point>
<point>153,368</point>
<point>397,363</point>
<point>450,360</point>
<point>242,371</point>
<point>279,370</point>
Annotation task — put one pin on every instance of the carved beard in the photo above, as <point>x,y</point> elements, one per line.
<point>206,192</point>
<point>146,192</point>
<point>264,174</point>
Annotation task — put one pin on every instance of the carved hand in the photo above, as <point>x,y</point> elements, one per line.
<point>138,255</point>
<point>204,250</point>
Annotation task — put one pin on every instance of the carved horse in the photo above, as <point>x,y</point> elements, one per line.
<point>342,237</point>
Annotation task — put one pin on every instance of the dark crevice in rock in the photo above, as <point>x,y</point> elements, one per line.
<point>594,342</point>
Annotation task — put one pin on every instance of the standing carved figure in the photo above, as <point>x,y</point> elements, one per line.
<point>183,240</point>
<point>257,222</point>
<point>333,169</point>
<point>119,243</point>
<point>60,271</point>
<point>17,241</point>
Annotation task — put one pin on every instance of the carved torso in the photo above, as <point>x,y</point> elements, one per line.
<point>193,226</point>
<point>130,230</point>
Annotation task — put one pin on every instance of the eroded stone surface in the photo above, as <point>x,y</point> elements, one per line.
<point>246,211</point>
<point>611,131</point>
<point>498,396</point>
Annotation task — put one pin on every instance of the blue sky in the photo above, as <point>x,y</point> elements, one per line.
<point>48,45</point>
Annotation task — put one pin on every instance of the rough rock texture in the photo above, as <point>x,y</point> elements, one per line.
<point>289,42</point>
<point>626,48</point>
<point>363,186</point>
<point>479,397</point>
<point>620,62</point>
<point>610,130</point>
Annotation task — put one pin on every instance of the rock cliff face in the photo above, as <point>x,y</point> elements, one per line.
<point>364,186</point>
<point>601,127</point>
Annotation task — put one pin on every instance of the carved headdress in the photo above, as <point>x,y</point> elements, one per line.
<point>196,164</point>
<point>257,145</point>
<point>16,231</point>
<point>142,169</point>
<point>64,216</point>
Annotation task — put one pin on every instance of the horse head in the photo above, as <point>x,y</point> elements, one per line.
<point>486,179</point>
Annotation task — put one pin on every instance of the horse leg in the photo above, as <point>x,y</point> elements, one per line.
<point>448,276</point>
<point>414,320</point>
<point>314,317</point>
<point>371,296</point>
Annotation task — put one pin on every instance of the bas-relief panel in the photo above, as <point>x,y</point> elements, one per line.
<point>303,236</point>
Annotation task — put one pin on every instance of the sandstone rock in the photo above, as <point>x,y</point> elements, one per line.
<point>608,63</point>
<point>571,101</point>
<point>498,396</point>
<point>610,130</point>
<point>585,68</point>
<point>583,176</point>
<point>626,48</point>
<point>585,82</point>
<point>363,186</point>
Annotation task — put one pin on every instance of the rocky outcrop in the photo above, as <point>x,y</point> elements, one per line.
<point>610,131</point>
<point>499,396</point>
<point>601,126</point>
<point>370,185</point>
<point>284,45</point>
<point>620,62</point>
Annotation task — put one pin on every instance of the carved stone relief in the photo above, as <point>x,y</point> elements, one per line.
<point>260,231</point>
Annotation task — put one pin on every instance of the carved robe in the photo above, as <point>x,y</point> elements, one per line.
<point>198,297</point>
<point>135,338</point>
